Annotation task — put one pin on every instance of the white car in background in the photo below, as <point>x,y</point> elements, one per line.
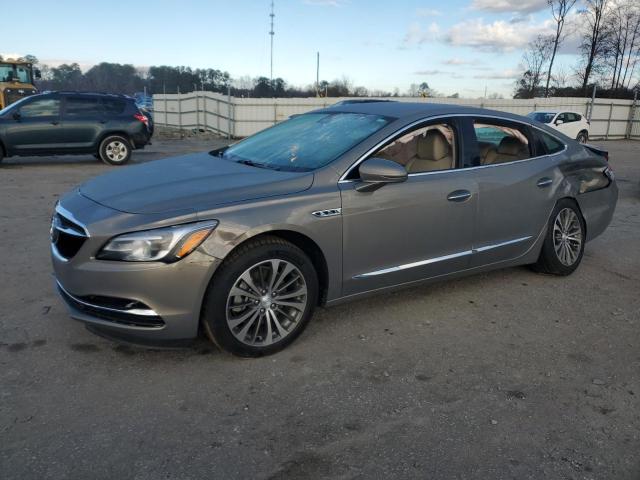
<point>572,124</point>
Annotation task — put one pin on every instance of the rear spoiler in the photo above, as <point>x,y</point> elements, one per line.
<point>597,150</point>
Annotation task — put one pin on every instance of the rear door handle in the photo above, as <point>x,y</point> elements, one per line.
<point>55,123</point>
<point>544,182</point>
<point>459,196</point>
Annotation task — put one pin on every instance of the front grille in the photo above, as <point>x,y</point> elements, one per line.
<point>107,310</point>
<point>66,236</point>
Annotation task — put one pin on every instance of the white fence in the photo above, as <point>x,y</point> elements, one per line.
<point>240,117</point>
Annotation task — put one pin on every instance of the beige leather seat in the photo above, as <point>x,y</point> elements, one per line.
<point>432,153</point>
<point>509,150</point>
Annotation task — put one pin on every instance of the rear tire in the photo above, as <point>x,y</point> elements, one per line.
<point>261,298</point>
<point>564,241</point>
<point>115,150</point>
<point>583,137</point>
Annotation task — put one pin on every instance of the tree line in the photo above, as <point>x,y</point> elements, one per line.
<point>128,79</point>
<point>609,32</point>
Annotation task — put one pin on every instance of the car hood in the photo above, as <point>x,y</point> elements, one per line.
<point>191,182</point>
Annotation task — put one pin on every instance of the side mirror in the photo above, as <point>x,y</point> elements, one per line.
<point>559,122</point>
<point>37,73</point>
<point>16,115</point>
<point>376,172</point>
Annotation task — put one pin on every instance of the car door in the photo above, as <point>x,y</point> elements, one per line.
<point>35,126</point>
<point>417,229</point>
<point>566,125</point>
<point>83,120</point>
<point>516,188</point>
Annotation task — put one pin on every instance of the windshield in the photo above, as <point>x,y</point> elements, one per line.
<point>305,142</point>
<point>542,117</point>
<point>13,73</point>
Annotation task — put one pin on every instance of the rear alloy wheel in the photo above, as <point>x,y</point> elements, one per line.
<point>115,150</point>
<point>583,137</point>
<point>261,298</point>
<point>564,243</point>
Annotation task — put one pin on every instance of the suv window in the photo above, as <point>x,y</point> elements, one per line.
<point>501,142</point>
<point>425,149</point>
<point>113,106</point>
<point>43,107</point>
<point>81,106</point>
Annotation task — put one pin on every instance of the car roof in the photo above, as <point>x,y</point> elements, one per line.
<point>557,111</point>
<point>410,109</point>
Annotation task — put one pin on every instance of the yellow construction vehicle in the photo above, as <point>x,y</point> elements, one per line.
<point>16,81</point>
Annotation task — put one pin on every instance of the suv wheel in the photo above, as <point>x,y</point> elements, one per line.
<point>115,150</point>
<point>261,298</point>
<point>583,137</point>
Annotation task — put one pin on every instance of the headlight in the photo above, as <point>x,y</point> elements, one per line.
<point>168,244</point>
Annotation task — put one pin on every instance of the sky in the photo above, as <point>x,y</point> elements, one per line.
<point>456,46</point>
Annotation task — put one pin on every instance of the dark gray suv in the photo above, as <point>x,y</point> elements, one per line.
<point>107,126</point>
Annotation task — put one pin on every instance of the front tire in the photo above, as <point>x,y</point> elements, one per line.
<point>261,298</point>
<point>564,242</point>
<point>115,150</point>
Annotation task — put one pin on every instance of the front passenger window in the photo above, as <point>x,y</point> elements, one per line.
<point>425,149</point>
<point>46,107</point>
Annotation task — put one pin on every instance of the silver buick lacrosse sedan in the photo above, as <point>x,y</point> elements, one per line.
<point>242,243</point>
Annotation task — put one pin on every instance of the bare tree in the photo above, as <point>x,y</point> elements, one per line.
<point>534,62</point>
<point>593,45</point>
<point>559,10</point>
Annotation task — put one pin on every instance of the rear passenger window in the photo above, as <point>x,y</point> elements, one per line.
<point>77,107</point>
<point>501,143</point>
<point>113,106</point>
<point>425,149</point>
<point>551,145</point>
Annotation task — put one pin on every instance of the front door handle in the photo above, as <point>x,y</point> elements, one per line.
<point>55,122</point>
<point>459,196</point>
<point>544,182</point>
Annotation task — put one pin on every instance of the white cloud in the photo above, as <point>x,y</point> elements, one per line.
<point>459,61</point>
<point>430,72</point>
<point>509,5</point>
<point>417,35</point>
<point>497,36</point>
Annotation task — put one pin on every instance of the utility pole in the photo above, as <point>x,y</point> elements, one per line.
<point>271,32</point>
<point>317,74</point>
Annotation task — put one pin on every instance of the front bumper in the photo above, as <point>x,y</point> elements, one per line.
<point>150,303</point>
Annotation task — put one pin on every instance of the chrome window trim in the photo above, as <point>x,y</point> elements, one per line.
<point>427,261</point>
<point>423,120</point>
<point>143,312</point>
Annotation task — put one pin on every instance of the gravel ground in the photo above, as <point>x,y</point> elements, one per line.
<point>503,375</point>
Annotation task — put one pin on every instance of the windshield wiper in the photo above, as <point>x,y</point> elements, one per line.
<point>251,163</point>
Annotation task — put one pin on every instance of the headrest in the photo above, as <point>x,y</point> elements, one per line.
<point>433,146</point>
<point>510,146</point>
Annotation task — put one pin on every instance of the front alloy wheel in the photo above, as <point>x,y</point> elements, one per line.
<point>266,303</point>
<point>261,297</point>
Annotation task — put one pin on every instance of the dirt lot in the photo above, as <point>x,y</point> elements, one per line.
<point>503,375</point>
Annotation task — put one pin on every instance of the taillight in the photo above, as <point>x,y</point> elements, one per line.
<point>142,118</point>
